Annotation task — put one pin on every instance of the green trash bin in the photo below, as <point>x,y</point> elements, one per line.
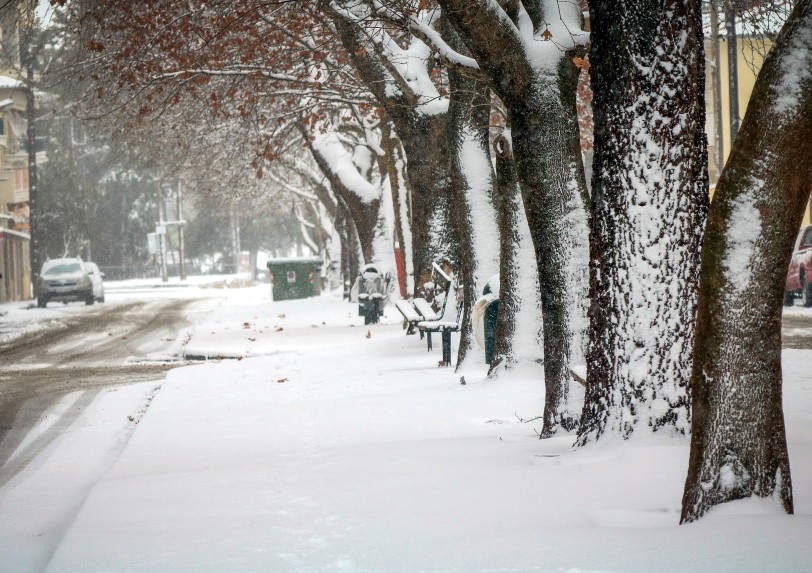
<point>491,316</point>
<point>295,278</point>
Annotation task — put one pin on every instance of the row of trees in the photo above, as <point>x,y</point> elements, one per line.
<point>100,188</point>
<point>441,126</point>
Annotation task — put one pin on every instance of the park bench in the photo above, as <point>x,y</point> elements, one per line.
<point>418,314</point>
<point>445,327</point>
<point>434,320</point>
<point>410,314</point>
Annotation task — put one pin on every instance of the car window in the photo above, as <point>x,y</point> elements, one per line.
<point>807,242</point>
<point>63,268</point>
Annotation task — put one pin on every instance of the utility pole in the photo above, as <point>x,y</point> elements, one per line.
<point>235,237</point>
<point>161,231</point>
<point>181,225</point>
<point>29,55</point>
<point>732,68</point>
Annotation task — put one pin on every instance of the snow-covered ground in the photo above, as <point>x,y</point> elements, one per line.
<point>331,446</point>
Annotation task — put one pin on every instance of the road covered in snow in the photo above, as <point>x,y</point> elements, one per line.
<point>309,442</point>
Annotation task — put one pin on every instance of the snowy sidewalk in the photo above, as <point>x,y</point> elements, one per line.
<point>341,447</point>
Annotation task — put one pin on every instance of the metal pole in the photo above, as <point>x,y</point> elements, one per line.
<point>31,136</point>
<point>162,234</point>
<point>182,267</point>
<point>732,68</point>
<point>235,238</point>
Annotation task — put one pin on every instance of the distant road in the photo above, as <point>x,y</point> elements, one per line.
<point>796,328</point>
<point>108,345</point>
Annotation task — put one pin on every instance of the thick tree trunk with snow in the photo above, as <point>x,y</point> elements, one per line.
<point>424,141</point>
<point>471,189</point>
<point>421,127</point>
<point>738,442</point>
<point>508,203</point>
<point>540,98</point>
<point>548,153</point>
<point>364,213</point>
<point>649,195</point>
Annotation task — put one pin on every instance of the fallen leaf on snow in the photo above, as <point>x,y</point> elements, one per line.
<point>369,334</point>
<point>281,380</point>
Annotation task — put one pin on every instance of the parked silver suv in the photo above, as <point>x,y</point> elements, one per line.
<point>64,280</point>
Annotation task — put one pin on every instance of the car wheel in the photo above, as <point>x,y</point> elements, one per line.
<point>90,299</point>
<point>101,298</point>
<point>42,302</point>
<point>806,293</point>
<point>789,298</point>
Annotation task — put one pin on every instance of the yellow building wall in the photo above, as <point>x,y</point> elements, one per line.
<point>751,54</point>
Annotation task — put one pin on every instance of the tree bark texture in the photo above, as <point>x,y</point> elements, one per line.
<point>541,107</point>
<point>649,196</point>
<point>471,189</point>
<point>738,442</point>
<point>508,204</point>
<point>426,147</point>
<point>558,225</point>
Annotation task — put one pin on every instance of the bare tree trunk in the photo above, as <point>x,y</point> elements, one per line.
<point>738,442</point>
<point>508,203</point>
<point>469,142</point>
<point>541,106</point>
<point>557,221</point>
<point>424,141</point>
<point>649,196</point>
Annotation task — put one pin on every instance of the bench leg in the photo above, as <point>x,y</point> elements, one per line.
<point>428,340</point>
<point>447,346</point>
